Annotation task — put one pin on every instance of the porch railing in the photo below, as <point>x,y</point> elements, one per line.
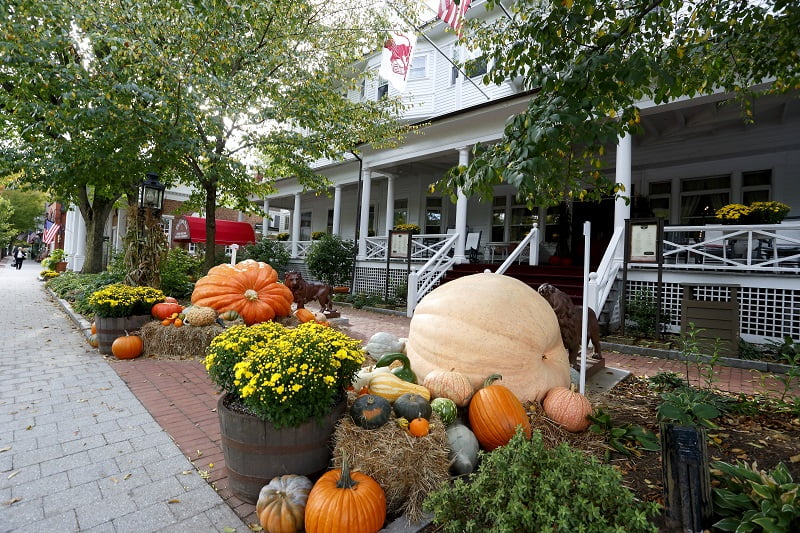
<point>424,279</point>
<point>531,241</point>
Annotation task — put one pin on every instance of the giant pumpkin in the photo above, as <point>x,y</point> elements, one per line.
<point>250,288</point>
<point>490,321</point>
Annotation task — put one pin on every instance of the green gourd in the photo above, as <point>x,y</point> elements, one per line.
<point>411,406</point>
<point>463,449</point>
<point>446,409</point>
<point>403,372</point>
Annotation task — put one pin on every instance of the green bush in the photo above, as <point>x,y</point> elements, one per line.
<point>640,315</point>
<point>269,251</point>
<point>179,272</point>
<point>76,289</point>
<point>524,486</point>
<point>331,259</point>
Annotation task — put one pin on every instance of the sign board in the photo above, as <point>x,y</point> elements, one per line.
<point>399,244</point>
<point>181,230</point>
<point>643,243</point>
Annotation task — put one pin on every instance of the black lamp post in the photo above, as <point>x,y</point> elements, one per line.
<point>151,194</point>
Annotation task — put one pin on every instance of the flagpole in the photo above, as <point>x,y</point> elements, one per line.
<point>402,15</point>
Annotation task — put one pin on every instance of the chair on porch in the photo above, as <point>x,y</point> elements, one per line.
<point>472,247</point>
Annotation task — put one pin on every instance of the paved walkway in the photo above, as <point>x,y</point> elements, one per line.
<point>113,458</point>
<point>78,450</point>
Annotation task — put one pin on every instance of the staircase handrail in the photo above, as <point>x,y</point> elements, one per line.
<point>422,280</point>
<point>531,238</point>
<point>602,280</point>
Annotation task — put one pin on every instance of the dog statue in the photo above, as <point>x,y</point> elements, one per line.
<point>569,322</point>
<point>305,291</point>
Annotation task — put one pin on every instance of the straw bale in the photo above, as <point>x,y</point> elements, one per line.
<point>406,467</point>
<point>185,342</point>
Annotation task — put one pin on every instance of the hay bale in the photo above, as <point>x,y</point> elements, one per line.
<point>406,467</point>
<point>185,342</point>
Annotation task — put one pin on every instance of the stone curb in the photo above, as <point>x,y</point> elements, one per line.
<point>762,366</point>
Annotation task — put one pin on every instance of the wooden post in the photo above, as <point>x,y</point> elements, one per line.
<point>687,484</point>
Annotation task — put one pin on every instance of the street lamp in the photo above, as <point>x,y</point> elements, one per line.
<point>151,194</point>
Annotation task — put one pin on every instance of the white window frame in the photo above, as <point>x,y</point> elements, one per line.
<point>413,71</point>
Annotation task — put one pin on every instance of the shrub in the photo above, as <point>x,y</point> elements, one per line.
<point>283,236</point>
<point>269,251</point>
<point>317,235</point>
<point>640,315</point>
<point>524,486</point>
<point>331,259</point>
<point>179,271</point>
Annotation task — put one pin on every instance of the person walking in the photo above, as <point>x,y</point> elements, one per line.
<point>19,256</point>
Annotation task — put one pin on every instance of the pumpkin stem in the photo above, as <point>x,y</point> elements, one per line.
<point>251,295</point>
<point>491,379</point>
<point>345,481</point>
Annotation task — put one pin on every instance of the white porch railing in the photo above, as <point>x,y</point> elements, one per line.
<point>531,241</point>
<point>423,280</point>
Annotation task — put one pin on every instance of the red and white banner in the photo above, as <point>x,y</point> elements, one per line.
<point>50,233</point>
<point>398,52</point>
<point>450,12</point>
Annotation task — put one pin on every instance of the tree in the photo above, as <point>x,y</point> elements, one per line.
<point>203,93</point>
<point>589,64</point>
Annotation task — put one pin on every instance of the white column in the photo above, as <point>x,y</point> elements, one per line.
<point>337,210</point>
<point>622,211</point>
<point>69,236</point>
<point>363,223</point>
<point>389,204</point>
<point>79,242</point>
<point>265,220</point>
<point>122,229</point>
<point>295,224</point>
<point>240,217</point>
<point>461,212</point>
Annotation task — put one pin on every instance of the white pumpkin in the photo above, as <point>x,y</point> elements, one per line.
<point>486,324</point>
<point>383,342</point>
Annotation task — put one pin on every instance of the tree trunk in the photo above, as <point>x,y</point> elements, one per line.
<point>211,225</point>
<point>95,215</point>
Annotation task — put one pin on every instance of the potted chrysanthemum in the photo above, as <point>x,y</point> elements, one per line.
<point>284,391</point>
<point>120,309</point>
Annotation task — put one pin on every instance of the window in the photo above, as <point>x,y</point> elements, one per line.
<point>305,226</point>
<point>330,221</point>
<point>499,219</point>
<point>522,220</point>
<point>362,92</point>
<point>400,211</point>
<point>419,67</point>
<point>383,89</point>
<point>433,215</point>
<point>756,186</point>
<point>477,66</point>
<point>701,197</point>
<point>659,198</point>
<point>166,226</point>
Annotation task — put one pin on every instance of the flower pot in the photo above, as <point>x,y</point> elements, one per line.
<point>61,266</point>
<point>341,289</point>
<point>256,451</point>
<point>109,328</point>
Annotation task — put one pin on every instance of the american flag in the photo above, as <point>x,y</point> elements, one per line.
<point>450,12</point>
<point>50,232</point>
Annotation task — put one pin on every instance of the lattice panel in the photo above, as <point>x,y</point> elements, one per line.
<point>370,280</point>
<point>763,312</point>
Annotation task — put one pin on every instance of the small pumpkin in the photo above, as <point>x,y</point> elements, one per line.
<point>281,505</point>
<point>127,347</point>
<point>419,427</point>
<point>200,316</point>
<point>345,501</point>
<point>165,310</point>
<point>250,288</point>
<point>391,387</point>
<point>94,328</point>
<point>93,342</point>
<point>304,315</point>
<point>370,411</point>
<point>449,384</point>
<point>411,406</point>
<point>463,449</point>
<point>404,371</point>
<point>383,342</point>
<point>229,315</point>
<point>445,409</point>
<point>171,300</point>
<point>494,414</point>
<point>567,408</point>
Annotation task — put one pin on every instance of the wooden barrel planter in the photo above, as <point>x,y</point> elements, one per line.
<point>256,451</point>
<point>109,328</point>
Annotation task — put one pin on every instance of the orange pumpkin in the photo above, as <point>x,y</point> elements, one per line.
<point>494,414</point>
<point>93,341</point>
<point>419,427</point>
<point>568,408</point>
<point>127,347</point>
<point>171,300</point>
<point>250,288</point>
<point>304,315</point>
<point>165,310</point>
<point>94,328</point>
<point>345,501</point>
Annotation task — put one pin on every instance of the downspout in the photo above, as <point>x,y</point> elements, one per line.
<point>358,219</point>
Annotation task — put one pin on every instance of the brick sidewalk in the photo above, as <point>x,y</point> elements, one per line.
<point>182,399</point>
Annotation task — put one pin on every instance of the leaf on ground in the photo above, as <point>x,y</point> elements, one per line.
<point>12,474</point>
<point>5,449</point>
<point>795,458</point>
<point>255,527</point>
<point>127,476</point>
<point>173,501</point>
<point>12,501</point>
<point>228,529</point>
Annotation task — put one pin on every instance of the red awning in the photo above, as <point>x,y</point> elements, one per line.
<point>193,229</point>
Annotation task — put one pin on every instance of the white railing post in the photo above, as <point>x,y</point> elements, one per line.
<point>411,297</point>
<point>587,245</point>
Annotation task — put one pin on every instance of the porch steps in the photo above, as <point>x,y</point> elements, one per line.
<point>566,278</point>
